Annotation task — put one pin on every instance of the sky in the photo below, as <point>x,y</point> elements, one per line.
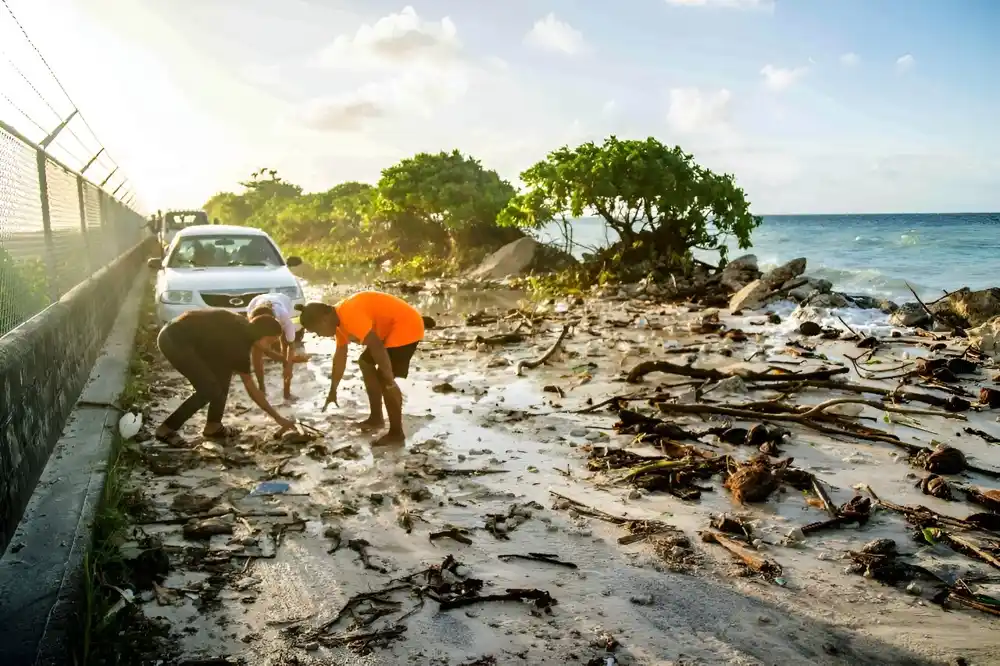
<point>849,106</point>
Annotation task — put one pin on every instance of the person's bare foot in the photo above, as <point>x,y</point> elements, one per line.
<point>391,438</point>
<point>370,423</point>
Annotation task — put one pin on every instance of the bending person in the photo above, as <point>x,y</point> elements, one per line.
<point>208,347</point>
<point>390,329</point>
<point>280,307</point>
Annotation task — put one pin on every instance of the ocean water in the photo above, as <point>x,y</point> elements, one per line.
<point>868,254</point>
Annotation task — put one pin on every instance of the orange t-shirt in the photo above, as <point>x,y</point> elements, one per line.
<point>395,322</point>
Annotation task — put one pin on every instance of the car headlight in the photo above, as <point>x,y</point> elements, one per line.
<point>292,292</point>
<point>176,297</point>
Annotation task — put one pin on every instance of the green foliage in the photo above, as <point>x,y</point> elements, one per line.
<point>429,214</point>
<point>24,290</point>
<point>658,199</point>
<point>446,202</point>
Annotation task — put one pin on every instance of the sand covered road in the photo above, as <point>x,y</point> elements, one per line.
<point>497,465</point>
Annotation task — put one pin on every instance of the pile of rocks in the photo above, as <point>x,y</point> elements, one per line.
<point>755,290</point>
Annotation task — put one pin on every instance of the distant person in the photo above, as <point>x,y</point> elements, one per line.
<point>280,307</point>
<point>390,328</point>
<point>208,347</point>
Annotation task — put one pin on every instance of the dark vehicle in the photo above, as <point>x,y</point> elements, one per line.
<point>174,220</point>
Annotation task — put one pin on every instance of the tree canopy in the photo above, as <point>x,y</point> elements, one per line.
<point>649,193</point>
<point>444,196</point>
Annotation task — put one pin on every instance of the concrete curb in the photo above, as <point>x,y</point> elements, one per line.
<point>41,574</point>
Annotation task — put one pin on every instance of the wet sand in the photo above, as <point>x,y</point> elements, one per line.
<point>261,591</point>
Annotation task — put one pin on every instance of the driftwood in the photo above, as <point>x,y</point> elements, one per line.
<point>531,365</point>
<point>909,396</point>
<point>808,418</point>
<point>647,367</point>
<point>539,557</point>
<point>766,568</point>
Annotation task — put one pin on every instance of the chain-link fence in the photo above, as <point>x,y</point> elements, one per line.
<point>56,229</point>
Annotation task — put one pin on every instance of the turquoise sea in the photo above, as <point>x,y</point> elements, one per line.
<point>873,254</point>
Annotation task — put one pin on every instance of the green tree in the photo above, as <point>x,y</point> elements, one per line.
<point>658,200</point>
<point>338,215</point>
<point>445,203</point>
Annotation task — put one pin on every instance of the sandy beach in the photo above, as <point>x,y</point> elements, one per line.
<point>498,464</point>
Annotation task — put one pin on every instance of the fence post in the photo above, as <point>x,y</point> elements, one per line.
<point>91,268</point>
<point>50,258</point>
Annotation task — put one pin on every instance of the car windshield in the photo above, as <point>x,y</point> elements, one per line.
<point>216,251</point>
<point>175,221</point>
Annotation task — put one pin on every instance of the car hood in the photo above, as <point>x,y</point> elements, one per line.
<point>227,278</point>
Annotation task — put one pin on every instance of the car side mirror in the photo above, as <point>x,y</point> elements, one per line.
<point>154,263</point>
<point>292,262</point>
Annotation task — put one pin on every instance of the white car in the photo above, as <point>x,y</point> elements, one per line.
<point>219,266</point>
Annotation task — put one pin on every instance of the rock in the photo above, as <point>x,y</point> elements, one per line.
<point>520,257</point>
<point>829,300</point>
<point>974,307</point>
<point>987,337</point>
<point>803,293</point>
<point>914,589</point>
<point>782,274</point>
<point>880,547</point>
<point>642,600</point>
<point>751,297</point>
<point>909,315</point>
<point>810,328</point>
<point>739,272</point>
<point>773,318</point>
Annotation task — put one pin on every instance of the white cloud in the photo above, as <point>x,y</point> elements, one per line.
<point>761,5</point>
<point>694,111</point>
<point>419,91</point>
<point>780,78</point>
<point>424,62</point>
<point>395,39</point>
<point>850,59</point>
<point>905,63</point>
<point>551,34</point>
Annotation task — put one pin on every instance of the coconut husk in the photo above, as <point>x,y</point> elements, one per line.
<point>752,482</point>
<point>989,497</point>
<point>935,486</point>
<point>946,460</point>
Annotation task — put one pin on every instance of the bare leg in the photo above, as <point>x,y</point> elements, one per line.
<point>394,406</point>
<point>373,386</point>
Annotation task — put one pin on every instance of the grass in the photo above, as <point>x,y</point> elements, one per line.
<point>105,570</point>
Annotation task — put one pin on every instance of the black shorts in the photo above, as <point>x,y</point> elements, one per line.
<point>399,357</point>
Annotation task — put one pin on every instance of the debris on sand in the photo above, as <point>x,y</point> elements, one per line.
<point>500,524</point>
<point>762,566</point>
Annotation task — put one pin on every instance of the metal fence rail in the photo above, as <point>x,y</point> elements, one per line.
<point>56,229</point>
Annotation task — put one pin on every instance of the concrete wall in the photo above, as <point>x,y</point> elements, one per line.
<point>44,365</point>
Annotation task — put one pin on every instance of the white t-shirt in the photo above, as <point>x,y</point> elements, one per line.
<point>282,307</point>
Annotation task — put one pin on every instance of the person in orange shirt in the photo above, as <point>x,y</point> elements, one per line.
<point>390,328</point>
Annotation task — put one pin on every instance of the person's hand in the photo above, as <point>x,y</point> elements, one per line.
<point>285,424</point>
<point>300,358</point>
<point>331,397</point>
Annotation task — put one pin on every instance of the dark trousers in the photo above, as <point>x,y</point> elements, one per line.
<point>211,384</point>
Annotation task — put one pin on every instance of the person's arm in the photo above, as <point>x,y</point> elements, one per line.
<point>261,400</point>
<point>339,366</point>
<point>257,358</point>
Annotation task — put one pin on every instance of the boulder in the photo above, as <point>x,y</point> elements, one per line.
<point>782,274</point>
<point>829,300</point>
<point>739,272</point>
<point>987,337</point>
<point>521,256</point>
<point>872,303</point>
<point>969,308</point>
<point>751,297</point>
<point>803,288</point>
<point>909,315</point>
